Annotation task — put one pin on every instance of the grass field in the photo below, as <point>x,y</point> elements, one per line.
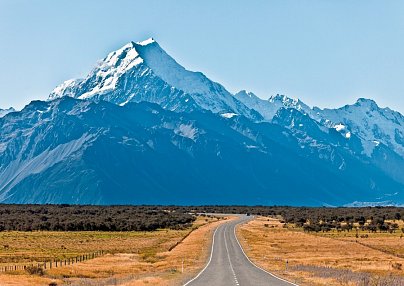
<point>143,258</point>
<point>333,258</point>
<point>133,258</point>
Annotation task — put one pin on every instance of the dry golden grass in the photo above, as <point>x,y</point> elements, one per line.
<point>134,258</point>
<point>270,246</point>
<point>20,247</point>
<point>392,243</point>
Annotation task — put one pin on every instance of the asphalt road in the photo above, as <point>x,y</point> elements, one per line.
<point>229,266</point>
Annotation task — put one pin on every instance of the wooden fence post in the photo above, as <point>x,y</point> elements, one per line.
<point>54,263</point>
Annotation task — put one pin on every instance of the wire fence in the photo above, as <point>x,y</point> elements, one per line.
<point>53,263</point>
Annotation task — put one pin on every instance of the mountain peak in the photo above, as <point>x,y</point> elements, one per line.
<point>244,93</point>
<point>3,112</point>
<point>145,42</point>
<point>283,98</point>
<point>366,102</point>
<point>133,44</point>
<point>288,102</point>
<point>143,71</point>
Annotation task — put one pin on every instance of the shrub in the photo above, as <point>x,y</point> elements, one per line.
<point>397,266</point>
<point>34,270</point>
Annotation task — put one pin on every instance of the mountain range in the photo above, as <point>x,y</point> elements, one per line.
<point>141,129</point>
<point>3,112</point>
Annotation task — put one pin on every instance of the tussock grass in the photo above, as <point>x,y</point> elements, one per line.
<point>331,258</point>
<point>133,258</point>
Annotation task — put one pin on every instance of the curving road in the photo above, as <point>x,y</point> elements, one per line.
<point>229,266</point>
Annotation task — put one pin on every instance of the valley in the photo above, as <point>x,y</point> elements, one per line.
<point>201,143</point>
<point>302,246</point>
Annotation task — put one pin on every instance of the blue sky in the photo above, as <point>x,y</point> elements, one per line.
<point>327,53</point>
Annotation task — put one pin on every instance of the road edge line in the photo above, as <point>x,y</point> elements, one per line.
<point>210,258</point>
<point>242,250</point>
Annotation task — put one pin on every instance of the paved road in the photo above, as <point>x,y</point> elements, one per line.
<point>229,266</point>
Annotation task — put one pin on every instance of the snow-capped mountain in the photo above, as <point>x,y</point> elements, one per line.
<point>81,151</point>
<point>141,129</point>
<point>372,124</point>
<point>268,108</point>
<point>143,71</point>
<point>3,112</point>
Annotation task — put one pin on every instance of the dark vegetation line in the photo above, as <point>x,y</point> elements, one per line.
<point>148,218</point>
<point>294,214</point>
<point>324,219</point>
<point>91,218</point>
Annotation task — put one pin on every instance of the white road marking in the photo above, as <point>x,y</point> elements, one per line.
<point>273,275</point>
<point>210,259</point>
<point>242,250</point>
<point>228,256</point>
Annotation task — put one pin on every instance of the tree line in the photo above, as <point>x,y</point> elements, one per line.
<point>147,218</point>
<point>323,219</point>
<point>91,218</point>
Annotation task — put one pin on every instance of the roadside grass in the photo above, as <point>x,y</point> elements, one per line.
<point>333,258</point>
<point>390,243</point>
<point>28,247</point>
<point>133,258</point>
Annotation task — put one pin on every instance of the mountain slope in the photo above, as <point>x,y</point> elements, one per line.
<point>268,108</point>
<point>143,71</point>
<point>141,129</point>
<point>374,125</point>
<point>3,112</point>
<point>80,151</point>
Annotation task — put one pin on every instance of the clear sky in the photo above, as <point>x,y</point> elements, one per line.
<point>325,52</point>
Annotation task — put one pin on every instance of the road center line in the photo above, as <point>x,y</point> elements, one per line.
<point>228,257</point>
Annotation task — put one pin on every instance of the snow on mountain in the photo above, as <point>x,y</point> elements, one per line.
<point>268,108</point>
<point>143,71</point>
<point>76,151</point>
<point>228,115</point>
<point>3,112</point>
<point>337,156</point>
<point>287,102</point>
<point>372,124</point>
<point>341,128</point>
<point>254,102</point>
